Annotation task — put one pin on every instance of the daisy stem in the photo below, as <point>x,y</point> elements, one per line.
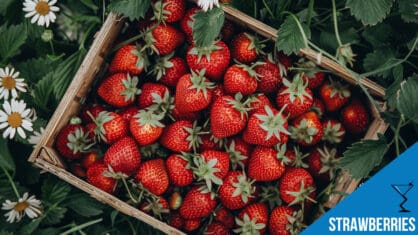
<point>12,183</point>
<point>51,44</point>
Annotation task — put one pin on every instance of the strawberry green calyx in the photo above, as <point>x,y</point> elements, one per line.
<point>329,160</point>
<point>160,13</point>
<point>149,117</point>
<point>161,64</point>
<point>162,105</point>
<point>345,54</point>
<point>256,44</point>
<point>243,187</point>
<point>154,205</point>
<point>339,89</point>
<point>204,51</point>
<point>201,83</point>
<point>235,156</point>
<point>79,142</point>
<point>131,89</point>
<point>303,132</point>
<point>101,119</point>
<point>248,226</point>
<point>271,195</point>
<point>142,61</point>
<point>295,222</point>
<point>205,171</point>
<point>75,121</point>
<point>150,151</point>
<point>237,104</point>
<point>333,133</point>
<point>308,67</point>
<point>250,69</point>
<point>296,88</point>
<point>194,136</point>
<point>302,195</point>
<point>273,124</point>
<point>299,157</point>
<point>281,154</point>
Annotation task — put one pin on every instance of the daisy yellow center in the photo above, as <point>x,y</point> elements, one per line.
<point>21,206</point>
<point>9,83</point>
<point>15,120</point>
<point>42,8</point>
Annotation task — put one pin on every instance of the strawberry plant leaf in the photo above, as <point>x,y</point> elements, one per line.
<point>362,157</point>
<point>207,26</point>
<point>369,12</point>
<point>378,35</point>
<point>85,206</point>
<point>392,90</point>
<point>6,159</point>
<point>408,9</point>
<point>11,39</point>
<point>379,59</point>
<point>4,5</point>
<point>133,9</point>
<point>407,101</point>
<point>292,35</point>
<point>43,94</point>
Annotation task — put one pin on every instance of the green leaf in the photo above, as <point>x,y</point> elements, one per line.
<point>90,4</point>
<point>85,206</point>
<point>328,39</point>
<point>43,94</point>
<point>54,190</point>
<point>292,35</point>
<point>379,59</point>
<point>34,69</point>
<point>369,12</point>
<point>12,38</point>
<point>6,159</point>
<point>4,5</point>
<point>392,90</point>
<point>407,101</point>
<point>134,9</point>
<point>379,35</point>
<point>207,26</point>
<point>362,157</point>
<point>29,228</point>
<point>408,9</point>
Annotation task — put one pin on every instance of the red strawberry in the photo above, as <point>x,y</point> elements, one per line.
<point>245,48</point>
<point>334,131</point>
<point>128,59</point>
<point>89,159</point>
<point>318,107</point>
<point>128,112</point>
<point>91,111</point>
<point>239,152</point>
<point>193,92</point>
<point>284,61</point>
<point>216,229</point>
<point>175,221</point>
<point>240,78</point>
<point>225,217</point>
<point>149,93</point>
<point>190,116</point>
<point>179,171</point>
<point>153,176</point>
<point>294,97</point>
<point>155,207</point>
<point>211,166</point>
<point>258,101</point>
<point>228,116</point>
<point>279,220</point>
<point>169,11</point>
<point>296,186</point>
<point>186,24</point>
<point>252,220</point>
<point>163,39</point>
<point>266,127</point>
<point>123,156</point>
<point>265,164</point>
<point>96,176</point>
<point>109,127</point>
<point>175,200</point>
<point>307,129</point>
<point>227,31</point>
<point>78,170</point>
<point>218,91</point>
<point>169,69</point>
<point>312,76</point>
<point>191,224</point>
<point>355,117</point>
<point>209,142</point>
<point>322,163</point>
<point>215,59</point>
<point>236,191</point>
<point>73,140</point>
<point>334,95</point>
<point>119,90</point>
<point>197,203</point>
<point>181,136</point>
<point>269,75</point>
<point>146,126</point>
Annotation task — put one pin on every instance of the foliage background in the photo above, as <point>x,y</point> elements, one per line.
<point>382,34</point>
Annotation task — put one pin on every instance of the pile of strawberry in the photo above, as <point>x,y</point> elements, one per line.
<point>222,139</point>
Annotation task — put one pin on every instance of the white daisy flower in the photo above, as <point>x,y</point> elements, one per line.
<point>36,137</point>
<point>41,11</point>
<point>15,117</point>
<point>10,83</point>
<point>29,206</point>
<point>207,4</point>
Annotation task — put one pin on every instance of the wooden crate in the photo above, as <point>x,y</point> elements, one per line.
<point>45,157</point>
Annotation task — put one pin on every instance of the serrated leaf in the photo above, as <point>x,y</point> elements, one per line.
<point>6,159</point>
<point>85,206</point>
<point>379,59</point>
<point>290,36</point>
<point>4,5</point>
<point>392,90</point>
<point>43,94</point>
<point>369,12</point>
<point>90,4</point>
<point>362,157</point>
<point>54,215</point>
<point>34,69</point>
<point>407,101</point>
<point>328,39</point>
<point>207,26</point>
<point>133,9</point>
<point>29,228</point>
<point>12,38</point>
<point>408,10</point>
<point>379,35</point>
<point>54,191</point>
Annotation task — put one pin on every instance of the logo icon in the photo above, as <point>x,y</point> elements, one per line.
<point>403,189</point>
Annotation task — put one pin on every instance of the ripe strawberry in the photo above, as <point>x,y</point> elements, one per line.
<point>318,107</point>
<point>128,112</point>
<point>218,91</point>
<point>128,59</point>
<point>91,111</point>
<point>153,176</point>
<point>334,131</point>
<point>78,170</point>
<point>149,93</point>
<point>175,200</point>
<point>169,69</point>
<point>216,229</point>
<point>312,76</point>
<point>146,126</point>
<point>296,186</point>
<point>294,97</point>
<point>190,116</point>
<point>179,171</point>
<point>322,163</point>
<point>89,159</point>
<point>215,59</point>
<point>96,175</point>
<point>186,24</point>
<point>240,78</point>
<point>193,92</point>
<point>181,136</point>
<point>306,129</point>
<point>227,31</point>
<point>269,76</point>
<point>197,203</point>
<point>225,217</point>
<point>252,220</point>
<point>209,142</point>
<point>211,166</point>
<point>245,48</point>
<point>123,156</point>
<point>109,127</point>
<point>334,95</point>
<point>119,90</point>
<point>191,224</point>
<point>239,152</point>
<point>163,39</point>
<point>169,11</point>
<point>266,127</point>
<point>228,116</point>
<point>355,117</point>
<point>284,61</point>
<point>258,101</point>
<point>236,191</point>
<point>279,220</point>
<point>175,220</point>
<point>265,164</point>
<point>73,140</point>
<point>155,207</point>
